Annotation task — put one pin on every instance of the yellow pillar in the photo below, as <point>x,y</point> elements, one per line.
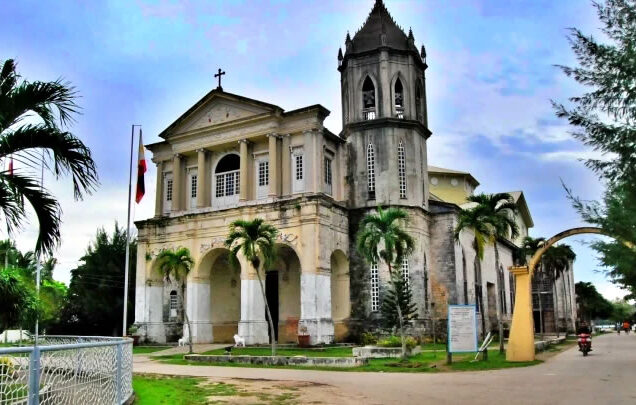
<point>521,341</point>
<point>177,184</point>
<point>286,166</point>
<point>243,171</point>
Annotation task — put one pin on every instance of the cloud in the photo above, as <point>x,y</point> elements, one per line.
<point>572,155</point>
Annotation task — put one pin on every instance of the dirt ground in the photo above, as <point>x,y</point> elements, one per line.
<point>262,391</point>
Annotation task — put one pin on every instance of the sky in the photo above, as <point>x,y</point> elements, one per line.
<point>490,80</point>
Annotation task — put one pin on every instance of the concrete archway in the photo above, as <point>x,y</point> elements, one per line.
<point>521,342</point>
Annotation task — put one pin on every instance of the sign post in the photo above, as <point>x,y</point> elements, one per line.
<point>462,329</point>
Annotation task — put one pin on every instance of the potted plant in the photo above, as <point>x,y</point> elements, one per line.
<point>303,337</point>
<point>133,333</point>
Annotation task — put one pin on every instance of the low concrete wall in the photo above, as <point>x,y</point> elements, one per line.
<point>281,360</point>
<point>377,352</point>
<point>541,345</point>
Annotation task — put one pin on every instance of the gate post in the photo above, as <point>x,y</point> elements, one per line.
<point>118,386</point>
<point>521,341</point>
<point>34,376</point>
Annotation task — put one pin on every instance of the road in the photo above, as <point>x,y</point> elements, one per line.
<point>606,376</point>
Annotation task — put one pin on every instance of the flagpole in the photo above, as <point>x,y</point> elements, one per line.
<point>132,138</point>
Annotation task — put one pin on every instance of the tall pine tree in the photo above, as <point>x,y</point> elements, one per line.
<point>605,119</point>
<point>399,292</point>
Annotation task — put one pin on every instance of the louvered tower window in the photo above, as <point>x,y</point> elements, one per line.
<point>371,171</point>
<point>402,170</point>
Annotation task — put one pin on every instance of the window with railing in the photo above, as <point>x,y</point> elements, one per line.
<point>399,99</point>
<point>368,99</point>
<point>226,183</point>
<point>375,287</point>
<point>371,171</point>
<point>173,304</point>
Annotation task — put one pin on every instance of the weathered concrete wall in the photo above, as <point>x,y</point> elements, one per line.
<point>281,360</point>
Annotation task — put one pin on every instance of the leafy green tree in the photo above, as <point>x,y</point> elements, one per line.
<point>592,305</point>
<point>50,107</point>
<point>400,294</point>
<point>17,300</point>
<point>95,298</point>
<point>382,236</point>
<point>177,264</point>
<point>255,241</point>
<point>622,311</point>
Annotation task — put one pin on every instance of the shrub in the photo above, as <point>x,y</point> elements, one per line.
<point>368,338</point>
<point>7,366</point>
<point>395,341</point>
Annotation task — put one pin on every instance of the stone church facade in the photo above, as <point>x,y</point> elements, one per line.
<point>231,157</point>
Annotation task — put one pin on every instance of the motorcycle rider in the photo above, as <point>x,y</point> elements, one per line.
<point>584,329</point>
<point>626,327</point>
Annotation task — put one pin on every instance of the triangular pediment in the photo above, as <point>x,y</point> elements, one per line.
<point>218,108</point>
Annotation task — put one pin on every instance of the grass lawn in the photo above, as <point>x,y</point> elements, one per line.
<point>148,349</point>
<point>153,389</point>
<point>266,351</point>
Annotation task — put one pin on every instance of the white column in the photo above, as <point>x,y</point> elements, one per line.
<point>177,184</point>
<point>198,308</point>
<point>273,165</point>
<point>203,192</point>
<point>159,191</point>
<point>253,325</point>
<point>315,306</point>
<point>155,328</point>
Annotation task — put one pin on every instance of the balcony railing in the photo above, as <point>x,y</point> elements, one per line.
<point>368,114</point>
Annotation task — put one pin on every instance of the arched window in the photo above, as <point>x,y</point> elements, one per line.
<point>368,99</point>
<point>402,170</point>
<point>375,287</point>
<point>173,304</point>
<point>226,180</point>
<point>399,99</point>
<point>371,171</point>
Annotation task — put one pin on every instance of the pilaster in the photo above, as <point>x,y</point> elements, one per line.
<point>315,306</point>
<point>273,165</point>
<point>177,182</point>
<point>159,190</point>
<point>286,165</point>
<point>243,144</point>
<point>253,324</point>
<point>203,180</point>
<point>198,309</point>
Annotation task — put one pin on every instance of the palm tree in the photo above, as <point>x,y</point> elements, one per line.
<point>41,141</point>
<point>176,264</point>
<point>255,240</point>
<point>382,236</point>
<point>475,220</point>
<point>528,248</point>
<point>498,211</point>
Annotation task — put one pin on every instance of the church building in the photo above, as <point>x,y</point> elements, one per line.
<point>230,157</point>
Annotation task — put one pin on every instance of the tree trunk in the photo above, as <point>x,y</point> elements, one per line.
<point>399,311</point>
<point>479,298</point>
<point>540,309</point>
<point>185,315</point>
<point>272,332</point>
<point>565,308</point>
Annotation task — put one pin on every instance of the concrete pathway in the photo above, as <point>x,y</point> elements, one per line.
<point>606,376</point>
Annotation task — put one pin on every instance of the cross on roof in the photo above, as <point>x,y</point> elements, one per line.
<point>219,74</point>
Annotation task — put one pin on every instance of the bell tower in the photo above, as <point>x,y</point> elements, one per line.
<point>384,117</point>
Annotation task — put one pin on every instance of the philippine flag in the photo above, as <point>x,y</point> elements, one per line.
<point>141,169</point>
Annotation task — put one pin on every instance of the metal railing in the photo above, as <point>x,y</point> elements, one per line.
<point>67,370</point>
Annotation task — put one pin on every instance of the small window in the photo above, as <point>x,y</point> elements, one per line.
<point>405,271</point>
<point>193,186</point>
<point>402,170</point>
<point>263,173</point>
<point>169,190</point>
<point>298,171</point>
<point>173,304</point>
<point>375,288</point>
<point>371,171</point>
<point>328,176</point>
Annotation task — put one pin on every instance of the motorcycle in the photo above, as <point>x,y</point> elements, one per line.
<point>585,343</point>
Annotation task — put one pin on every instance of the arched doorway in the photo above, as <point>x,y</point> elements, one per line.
<point>282,288</point>
<point>224,299</point>
<point>521,342</point>
<point>340,295</point>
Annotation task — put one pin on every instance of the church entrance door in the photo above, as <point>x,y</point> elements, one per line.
<point>271,291</point>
